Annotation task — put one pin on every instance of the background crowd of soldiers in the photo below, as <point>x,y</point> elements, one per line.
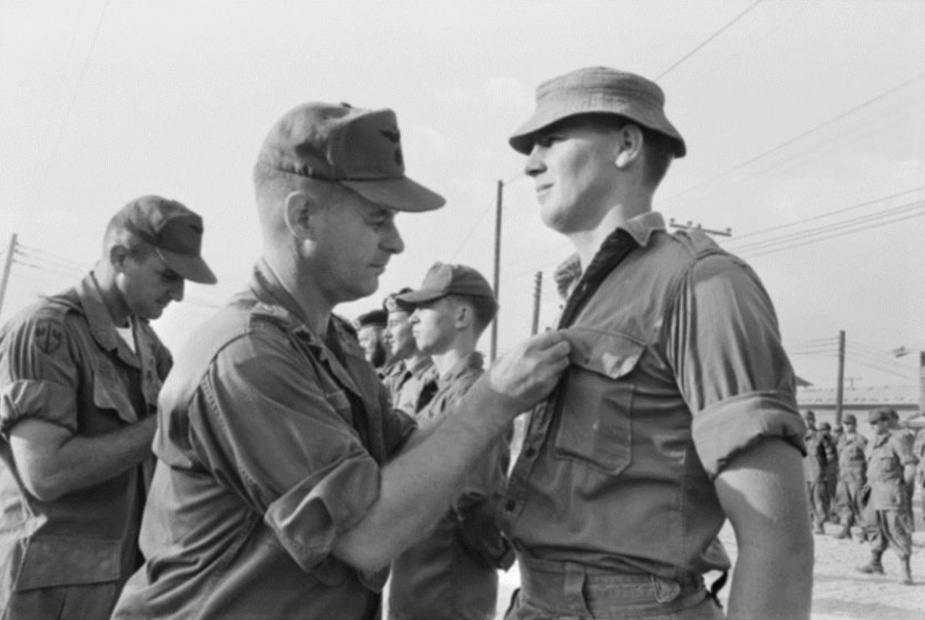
<point>869,485</point>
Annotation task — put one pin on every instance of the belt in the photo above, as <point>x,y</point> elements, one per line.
<point>573,589</point>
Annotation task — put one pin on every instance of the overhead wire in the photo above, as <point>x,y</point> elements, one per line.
<point>839,225</point>
<point>73,100</point>
<point>820,238</point>
<point>812,130</point>
<point>859,205</point>
<point>481,217</point>
<point>706,41</point>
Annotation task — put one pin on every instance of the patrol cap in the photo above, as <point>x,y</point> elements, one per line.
<point>358,148</point>
<point>443,279</point>
<point>376,317</point>
<point>825,426</point>
<point>883,413</point>
<point>173,229</point>
<point>850,419</point>
<point>598,90</point>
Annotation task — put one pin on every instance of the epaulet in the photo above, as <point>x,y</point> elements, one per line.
<point>274,314</point>
<point>58,306</point>
<point>697,242</point>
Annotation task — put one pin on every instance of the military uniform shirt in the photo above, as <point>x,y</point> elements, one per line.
<point>450,574</point>
<point>62,362</point>
<point>676,365</point>
<point>270,446</point>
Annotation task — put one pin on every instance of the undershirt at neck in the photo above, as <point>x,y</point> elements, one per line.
<point>127,336</point>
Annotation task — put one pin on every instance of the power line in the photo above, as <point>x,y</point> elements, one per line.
<point>886,370</point>
<point>847,223</point>
<point>796,138</point>
<point>481,217</point>
<point>74,94</point>
<point>706,41</point>
<point>866,203</point>
<point>835,236</point>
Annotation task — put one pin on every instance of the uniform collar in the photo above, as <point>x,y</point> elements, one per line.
<point>641,227</point>
<point>273,300</point>
<point>422,366</point>
<point>98,318</point>
<point>473,361</point>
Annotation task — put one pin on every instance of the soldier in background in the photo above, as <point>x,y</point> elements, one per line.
<point>370,327</point>
<point>80,374</point>
<point>412,378</point>
<point>852,476</point>
<point>451,573</point>
<point>830,474</point>
<point>890,469</point>
<point>814,468</point>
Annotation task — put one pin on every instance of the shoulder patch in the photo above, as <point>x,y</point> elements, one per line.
<point>48,335</point>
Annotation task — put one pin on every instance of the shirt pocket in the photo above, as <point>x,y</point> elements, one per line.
<point>51,561</point>
<point>595,417</point>
<point>109,393</point>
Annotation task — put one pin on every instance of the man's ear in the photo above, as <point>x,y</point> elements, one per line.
<point>629,145</point>
<point>464,316</point>
<point>300,213</point>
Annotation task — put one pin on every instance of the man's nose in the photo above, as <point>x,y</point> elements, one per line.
<point>534,164</point>
<point>392,240</point>
<point>176,290</point>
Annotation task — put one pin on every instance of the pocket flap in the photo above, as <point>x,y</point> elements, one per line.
<point>51,561</point>
<point>606,353</point>
<point>107,395</point>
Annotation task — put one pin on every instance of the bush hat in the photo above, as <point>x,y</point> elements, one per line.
<point>172,229</point>
<point>598,90</point>
<point>358,148</point>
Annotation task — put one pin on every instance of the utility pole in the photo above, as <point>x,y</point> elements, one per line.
<point>497,283</point>
<point>840,386</point>
<point>10,251</point>
<point>922,382</point>
<point>537,290</point>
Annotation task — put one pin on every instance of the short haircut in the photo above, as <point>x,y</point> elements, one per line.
<point>659,148</point>
<point>117,234</point>
<point>483,308</point>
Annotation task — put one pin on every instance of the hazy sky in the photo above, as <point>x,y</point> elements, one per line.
<point>805,125</point>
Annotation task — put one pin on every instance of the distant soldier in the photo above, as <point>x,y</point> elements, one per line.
<point>918,449</point>
<point>852,476</point>
<point>830,474</point>
<point>814,468</point>
<point>370,326</point>
<point>909,438</point>
<point>450,574</point>
<point>890,468</point>
<point>412,378</point>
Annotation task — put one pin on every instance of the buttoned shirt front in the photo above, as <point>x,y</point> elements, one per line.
<point>62,362</point>
<point>676,367</point>
<point>889,454</point>
<point>412,386</point>
<point>270,446</point>
<point>450,574</point>
<point>852,458</point>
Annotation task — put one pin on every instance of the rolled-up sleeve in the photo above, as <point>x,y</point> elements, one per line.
<point>731,367</point>
<point>281,437</point>
<point>38,375</point>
